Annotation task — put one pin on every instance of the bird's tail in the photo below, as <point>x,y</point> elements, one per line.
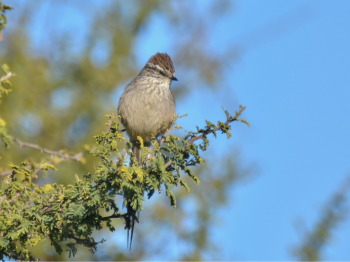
<point>130,211</point>
<point>131,214</point>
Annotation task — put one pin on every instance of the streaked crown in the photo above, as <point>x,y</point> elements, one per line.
<point>164,61</point>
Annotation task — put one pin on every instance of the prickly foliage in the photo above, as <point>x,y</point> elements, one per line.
<point>30,213</point>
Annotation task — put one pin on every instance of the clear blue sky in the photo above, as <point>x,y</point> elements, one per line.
<point>293,75</point>
<point>296,86</point>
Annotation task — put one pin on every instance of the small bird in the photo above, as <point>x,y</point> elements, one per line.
<point>147,107</point>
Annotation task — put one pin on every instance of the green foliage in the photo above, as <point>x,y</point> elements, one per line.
<point>3,19</point>
<point>30,213</point>
<point>4,82</point>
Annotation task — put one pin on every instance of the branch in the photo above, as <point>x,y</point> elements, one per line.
<point>7,77</point>
<point>195,138</point>
<point>110,121</point>
<point>16,257</point>
<point>8,172</point>
<point>15,197</point>
<point>78,157</point>
<point>46,210</point>
<point>85,242</point>
<point>112,216</point>
<point>5,196</point>
<point>163,137</point>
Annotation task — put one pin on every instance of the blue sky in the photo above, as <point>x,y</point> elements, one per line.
<point>293,76</point>
<point>296,87</point>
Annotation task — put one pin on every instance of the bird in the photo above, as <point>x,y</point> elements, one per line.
<point>147,108</point>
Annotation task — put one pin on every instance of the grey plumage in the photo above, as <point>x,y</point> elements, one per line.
<point>147,106</point>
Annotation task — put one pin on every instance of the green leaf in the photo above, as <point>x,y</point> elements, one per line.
<point>72,249</point>
<point>183,184</point>
<point>57,246</point>
<point>4,242</point>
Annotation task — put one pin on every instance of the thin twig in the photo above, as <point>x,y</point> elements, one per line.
<point>15,197</point>
<point>112,216</point>
<point>5,196</point>
<point>8,172</point>
<point>201,137</point>
<point>46,210</point>
<point>7,77</point>
<point>163,137</point>
<point>110,121</point>
<point>85,242</point>
<point>78,157</point>
<point>16,257</point>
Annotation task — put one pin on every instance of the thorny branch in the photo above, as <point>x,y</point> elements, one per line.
<point>110,121</point>
<point>7,77</point>
<point>46,210</point>
<point>112,216</point>
<point>163,137</point>
<point>78,157</point>
<point>5,196</point>
<point>216,128</point>
<point>16,257</point>
<point>8,172</point>
<point>85,242</point>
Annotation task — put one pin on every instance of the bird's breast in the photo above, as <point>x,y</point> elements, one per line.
<point>148,110</point>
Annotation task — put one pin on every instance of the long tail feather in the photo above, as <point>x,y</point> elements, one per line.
<point>131,212</point>
<point>127,242</point>
<point>132,231</point>
<point>131,215</point>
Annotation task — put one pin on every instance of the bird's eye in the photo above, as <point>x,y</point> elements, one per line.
<point>161,72</point>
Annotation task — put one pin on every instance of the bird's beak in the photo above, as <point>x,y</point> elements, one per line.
<point>173,78</point>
